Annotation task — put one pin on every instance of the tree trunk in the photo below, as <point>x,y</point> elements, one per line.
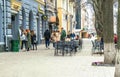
<point>97,6</point>
<point>109,53</point>
<point>117,64</point>
<point>109,48</point>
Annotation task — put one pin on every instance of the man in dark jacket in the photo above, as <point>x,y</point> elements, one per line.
<point>47,38</point>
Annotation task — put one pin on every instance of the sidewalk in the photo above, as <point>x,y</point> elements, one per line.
<point>43,63</point>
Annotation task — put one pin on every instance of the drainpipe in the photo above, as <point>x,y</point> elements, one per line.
<point>45,14</point>
<point>6,44</point>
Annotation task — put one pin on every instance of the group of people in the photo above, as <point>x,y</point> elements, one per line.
<point>51,37</point>
<point>56,36</point>
<point>28,39</point>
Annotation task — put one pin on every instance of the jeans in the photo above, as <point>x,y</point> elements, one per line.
<point>47,43</point>
<point>24,42</point>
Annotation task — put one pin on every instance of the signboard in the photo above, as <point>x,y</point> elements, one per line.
<point>15,5</point>
<point>40,10</point>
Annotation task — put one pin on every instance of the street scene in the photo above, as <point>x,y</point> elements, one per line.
<point>43,63</point>
<point>59,38</point>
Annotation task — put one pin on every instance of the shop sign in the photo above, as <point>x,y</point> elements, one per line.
<point>40,10</point>
<point>15,5</point>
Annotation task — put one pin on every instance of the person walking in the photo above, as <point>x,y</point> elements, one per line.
<point>24,39</point>
<point>47,37</point>
<point>33,40</point>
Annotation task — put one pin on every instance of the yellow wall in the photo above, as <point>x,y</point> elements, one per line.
<point>60,18</point>
<point>62,11</point>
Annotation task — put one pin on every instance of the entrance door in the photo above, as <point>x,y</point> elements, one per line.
<point>31,23</point>
<point>23,19</point>
<point>15,26</point>
<point>38,30</point>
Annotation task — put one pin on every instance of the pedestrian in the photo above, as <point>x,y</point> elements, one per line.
<point>93,40</point>
<point>53,38</point>
<point>58,35</point>
<point>47,37</point>
<point>33,40</point>
<point>68,34</point>
<point>24,39</point>
<point>21,31</point>
<point>72,35</point>
<point>115,38</point>
<point>29,39</point>
<point>63,34</point>
<point>101,44</point>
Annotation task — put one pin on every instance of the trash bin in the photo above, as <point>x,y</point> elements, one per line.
<point>15,45</point>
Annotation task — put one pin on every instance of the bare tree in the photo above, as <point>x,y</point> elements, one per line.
<point>104,27</point>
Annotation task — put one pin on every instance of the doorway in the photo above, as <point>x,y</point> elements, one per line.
<point>38,29</point>
<point>15,25</point>
<point>23,18</point>
<point>31,23</point>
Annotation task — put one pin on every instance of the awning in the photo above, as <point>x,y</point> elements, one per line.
<point>54,19</point>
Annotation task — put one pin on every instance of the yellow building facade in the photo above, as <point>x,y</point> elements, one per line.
<point>65,14</point>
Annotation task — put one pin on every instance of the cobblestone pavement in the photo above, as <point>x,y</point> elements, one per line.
<point>43,63</point>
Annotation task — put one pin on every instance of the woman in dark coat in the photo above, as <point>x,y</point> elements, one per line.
<point>33,40</point>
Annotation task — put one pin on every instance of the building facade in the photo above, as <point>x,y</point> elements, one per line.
<point>28,14</point>
<point>1,27</point>
<point>50,12</point>
<point>66,14</point>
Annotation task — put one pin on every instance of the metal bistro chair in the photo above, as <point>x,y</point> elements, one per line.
<point>59,47</point>
<point>68,47</point>
<point>96,48</point>
<point>75,45</point>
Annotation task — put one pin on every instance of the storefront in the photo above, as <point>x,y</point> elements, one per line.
<point>21,14</point>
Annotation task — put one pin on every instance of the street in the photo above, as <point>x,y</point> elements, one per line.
<point>43,63</point>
